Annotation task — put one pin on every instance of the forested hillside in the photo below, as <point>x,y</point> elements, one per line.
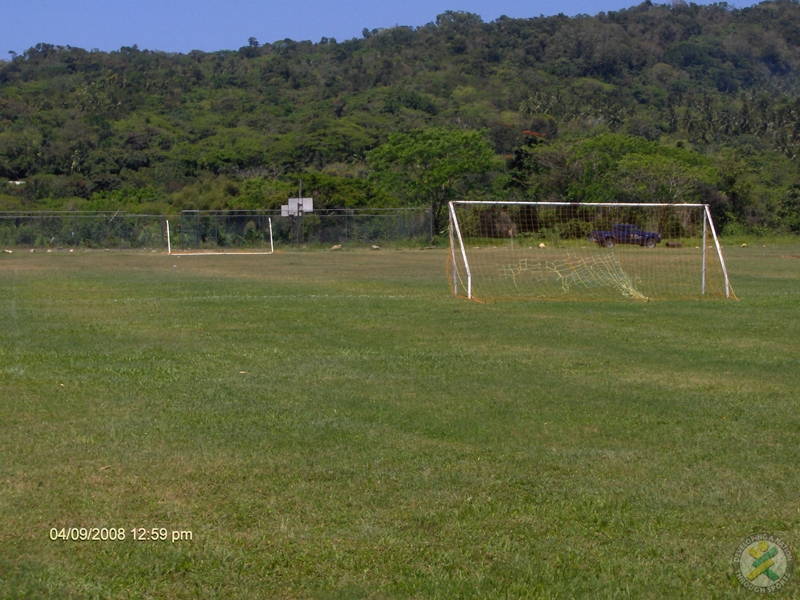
<point>657,102</point>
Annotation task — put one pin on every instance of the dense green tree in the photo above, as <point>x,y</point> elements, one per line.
<point>433,166</point>
<point>660,178</point>
<point>789,210</point>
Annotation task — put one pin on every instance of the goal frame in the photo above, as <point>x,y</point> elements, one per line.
<point>221,253</point>
<point>456,237</point>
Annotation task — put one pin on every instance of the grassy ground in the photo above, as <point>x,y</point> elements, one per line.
<point>337,426</point>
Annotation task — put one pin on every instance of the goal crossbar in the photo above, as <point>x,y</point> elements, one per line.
<point>588,204</point>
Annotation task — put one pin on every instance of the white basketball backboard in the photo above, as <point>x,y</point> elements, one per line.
<point>297,206</point>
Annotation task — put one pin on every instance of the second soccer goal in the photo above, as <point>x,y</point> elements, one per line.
<point>518,250</point>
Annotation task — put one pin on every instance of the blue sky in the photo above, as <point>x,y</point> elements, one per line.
<point>184,25</point>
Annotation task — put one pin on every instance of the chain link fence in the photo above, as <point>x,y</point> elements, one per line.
<point>215,230</point>
<point>82,230</point>
<point>202,230</point>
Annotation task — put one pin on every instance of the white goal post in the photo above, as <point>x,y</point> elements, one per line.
<point>575,250</point>
<point>220,251</point>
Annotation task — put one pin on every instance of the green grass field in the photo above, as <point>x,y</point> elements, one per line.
<point>336,425</point>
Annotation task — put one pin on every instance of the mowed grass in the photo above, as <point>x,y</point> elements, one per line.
<point>336,425</point>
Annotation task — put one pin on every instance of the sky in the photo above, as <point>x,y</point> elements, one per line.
<point>209,25</point>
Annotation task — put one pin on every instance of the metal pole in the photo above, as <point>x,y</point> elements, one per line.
<point>271,247</point>
<point>719,252</point>
<point>453,252</point>
<point>463,251</point>
<point>705,245</point>
<point>169,246</point>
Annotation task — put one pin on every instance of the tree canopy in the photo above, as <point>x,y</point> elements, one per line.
<point>433,166</point>
<point>713,90</point>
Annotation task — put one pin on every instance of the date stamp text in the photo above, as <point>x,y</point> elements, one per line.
<point>120,534</point>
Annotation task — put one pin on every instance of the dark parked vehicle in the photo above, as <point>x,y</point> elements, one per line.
<point>625,234</point>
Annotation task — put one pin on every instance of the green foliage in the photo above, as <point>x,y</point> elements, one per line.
<point>610,167</point>
<point>433,166</point>
<point>411,100</point>
<point>211,193</point>
<point>621,168</point>
<point>335,191</point>
<point>789,210</point>
<point>135,200</point>
<point>719,83</point>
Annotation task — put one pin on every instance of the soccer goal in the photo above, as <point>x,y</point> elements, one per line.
<point>528,250</point>
<point>223,233</point>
